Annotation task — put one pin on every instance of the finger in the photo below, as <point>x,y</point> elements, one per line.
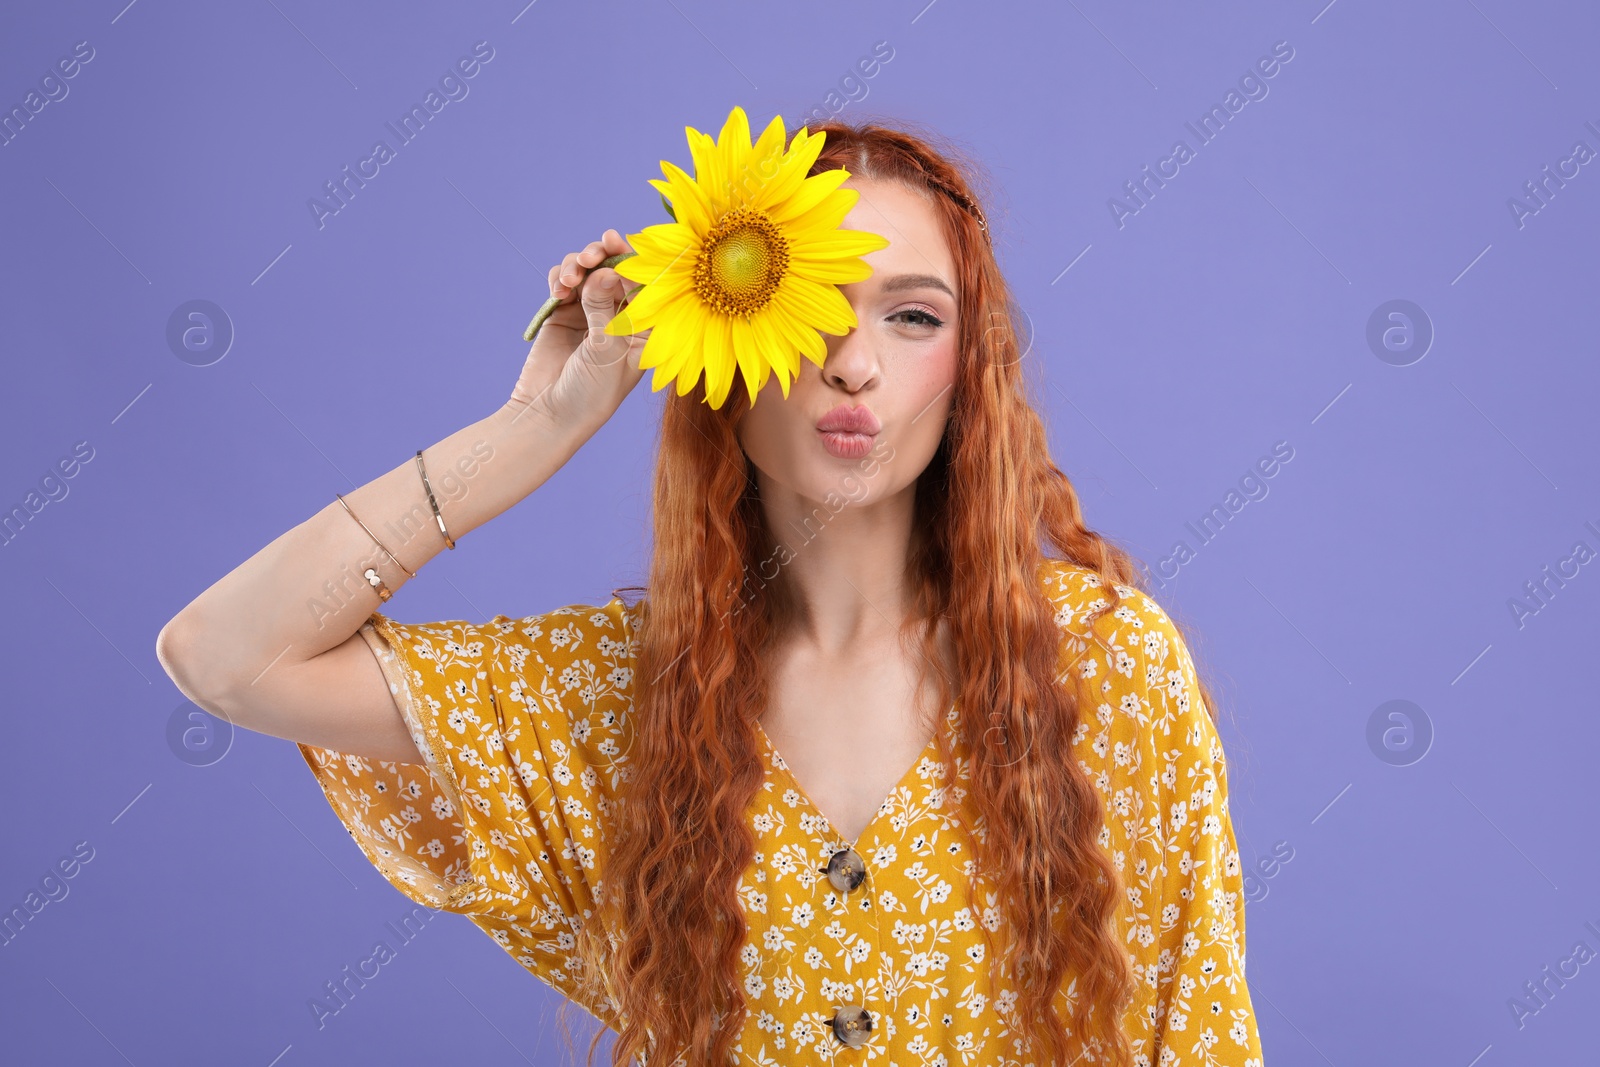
<point>568,276</point>
<point>600,295</point>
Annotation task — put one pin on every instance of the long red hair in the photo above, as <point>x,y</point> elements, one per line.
<point>988,503</point>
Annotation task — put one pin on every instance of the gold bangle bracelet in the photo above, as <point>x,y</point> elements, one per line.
<point>432,503</point>
<point>375,541</point>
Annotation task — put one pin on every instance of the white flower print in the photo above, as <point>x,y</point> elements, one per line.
<point>527,728</point>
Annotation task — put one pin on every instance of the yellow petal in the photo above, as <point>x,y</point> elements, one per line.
<point>750,186</point>
<point>645,309</point>
<point>805,340</point>
<point>783,381</point>
<point>733,143</point>
<point>653,302</point>
<point>823,216</point>
<point>687,330</point>
<point>661,379</point>
<point>761,380</point>
<point>657,348</point>
<point>719,378</point>
<point>812,192</point>
<point>629,321</point>
<point>820,355</point>
<point>803,152</point>
<point>832,271</point>
<point>708,171</point>
<point>623,325</point>
<point>821,306</point>
<point>751,358</point>
<point>653,268</point>
<point>782,356</point>
<point>770,143</point>
<point>715,348</point>
<point>833,244</point>
<point>663,240</point>
<point>689,201</point>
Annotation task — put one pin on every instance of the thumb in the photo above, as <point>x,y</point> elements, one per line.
<point>600,295</point>
<point>610,337</point>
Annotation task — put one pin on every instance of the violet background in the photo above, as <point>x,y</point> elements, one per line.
<point>1228,314</point>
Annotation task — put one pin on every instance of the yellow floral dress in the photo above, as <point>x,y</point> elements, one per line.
<point>525,727</point>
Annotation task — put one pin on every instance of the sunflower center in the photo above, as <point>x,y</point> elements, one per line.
<point>742,260</point>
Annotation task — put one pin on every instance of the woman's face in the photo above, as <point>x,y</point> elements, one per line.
<point>896,368</point>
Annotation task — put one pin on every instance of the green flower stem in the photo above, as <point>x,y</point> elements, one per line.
<point>550,305</point>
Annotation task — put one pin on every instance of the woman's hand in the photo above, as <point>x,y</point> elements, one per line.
<point>576,374</point>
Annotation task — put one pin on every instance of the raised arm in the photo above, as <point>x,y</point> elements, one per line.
<point>273,646</point>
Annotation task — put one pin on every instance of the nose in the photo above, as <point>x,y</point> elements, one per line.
<point>852,363</point>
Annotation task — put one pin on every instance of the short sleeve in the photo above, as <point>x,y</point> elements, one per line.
<point>1203,1010</point>
<point>522,725</point>
<point>1147,743</point>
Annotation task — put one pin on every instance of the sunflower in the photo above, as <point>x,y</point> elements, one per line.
<point>746,275</point>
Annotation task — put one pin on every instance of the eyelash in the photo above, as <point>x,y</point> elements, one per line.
<point>932,319</point>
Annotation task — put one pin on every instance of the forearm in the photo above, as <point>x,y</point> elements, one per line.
<point>304,593</point>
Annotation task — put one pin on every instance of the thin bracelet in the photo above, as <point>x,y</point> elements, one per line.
<point>432,503</point>
<point>375,580</point>
<point>375,541</point>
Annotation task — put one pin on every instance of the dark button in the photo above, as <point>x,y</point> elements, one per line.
<point>852,1024</point>
<point>845,870</point>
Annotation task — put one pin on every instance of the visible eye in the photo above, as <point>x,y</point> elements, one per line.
<point>921,317</point>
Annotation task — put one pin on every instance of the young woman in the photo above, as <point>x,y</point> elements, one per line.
<point>894,761</point>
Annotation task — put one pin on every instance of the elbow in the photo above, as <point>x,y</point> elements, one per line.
<point>200,669</point>
<point>171,651</point>
<point>179,655</point>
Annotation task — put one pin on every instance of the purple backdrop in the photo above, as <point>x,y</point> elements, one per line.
<point>1371,273</point>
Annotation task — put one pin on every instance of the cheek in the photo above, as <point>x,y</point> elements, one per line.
<point>930,380</point>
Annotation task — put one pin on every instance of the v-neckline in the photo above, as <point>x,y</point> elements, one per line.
<point>868,833</point>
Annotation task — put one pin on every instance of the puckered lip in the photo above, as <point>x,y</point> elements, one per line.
<point>846,419</point>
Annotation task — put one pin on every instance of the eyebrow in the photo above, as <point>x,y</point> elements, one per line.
<point>917,281</point>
